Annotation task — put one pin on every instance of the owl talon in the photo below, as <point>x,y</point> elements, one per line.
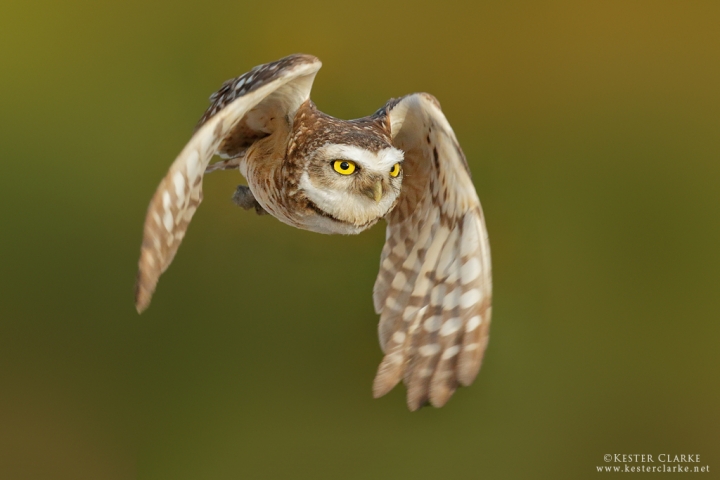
<point>244,198</point>
<point>259,210</point>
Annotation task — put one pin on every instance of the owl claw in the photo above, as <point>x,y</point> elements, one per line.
<point>259,210</point>
<point>244,198</point>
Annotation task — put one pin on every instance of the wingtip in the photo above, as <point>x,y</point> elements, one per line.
<point>416,400</point>
<point>414,406</point>
<point>381,388</point>
<point>142,295</point>
<point>388,375</point>
<point>441,394</point>
<point>306,57</point>
<point>140,306</point>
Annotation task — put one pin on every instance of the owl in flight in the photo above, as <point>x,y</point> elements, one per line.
<point>313,171</point>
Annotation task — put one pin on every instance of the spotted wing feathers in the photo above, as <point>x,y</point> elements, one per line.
<point>433,291</point>
<point>283,85</point>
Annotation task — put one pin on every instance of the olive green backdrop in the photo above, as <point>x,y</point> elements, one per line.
<point>593,133</point>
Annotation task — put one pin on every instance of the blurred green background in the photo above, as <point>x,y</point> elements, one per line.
<point>593,133</point>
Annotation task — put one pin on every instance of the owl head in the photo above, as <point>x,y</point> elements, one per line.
<point>356,183</point>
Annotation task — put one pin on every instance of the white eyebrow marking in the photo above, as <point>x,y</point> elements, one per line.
<point>382,161</point>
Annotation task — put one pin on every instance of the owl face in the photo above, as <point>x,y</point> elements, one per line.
<point>353,184</point>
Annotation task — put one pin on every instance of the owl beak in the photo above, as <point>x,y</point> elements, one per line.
<point>374,192</point>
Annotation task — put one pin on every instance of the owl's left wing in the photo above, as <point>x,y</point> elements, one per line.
<point>242,111</point>
<point>434,288</point>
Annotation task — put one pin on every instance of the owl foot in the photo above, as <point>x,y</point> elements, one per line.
<point>244,198</point>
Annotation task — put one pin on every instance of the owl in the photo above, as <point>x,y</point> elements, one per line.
<point>312,171</point>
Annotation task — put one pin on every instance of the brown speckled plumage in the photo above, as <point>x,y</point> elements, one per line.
<point>313,128</point>
<point>433,291</point>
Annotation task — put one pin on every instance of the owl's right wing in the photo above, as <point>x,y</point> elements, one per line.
<point>242,111</point>
<point>434,288</point>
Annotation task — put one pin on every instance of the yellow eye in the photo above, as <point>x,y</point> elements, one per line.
<point>344,167</point>
<point>395,170</point>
